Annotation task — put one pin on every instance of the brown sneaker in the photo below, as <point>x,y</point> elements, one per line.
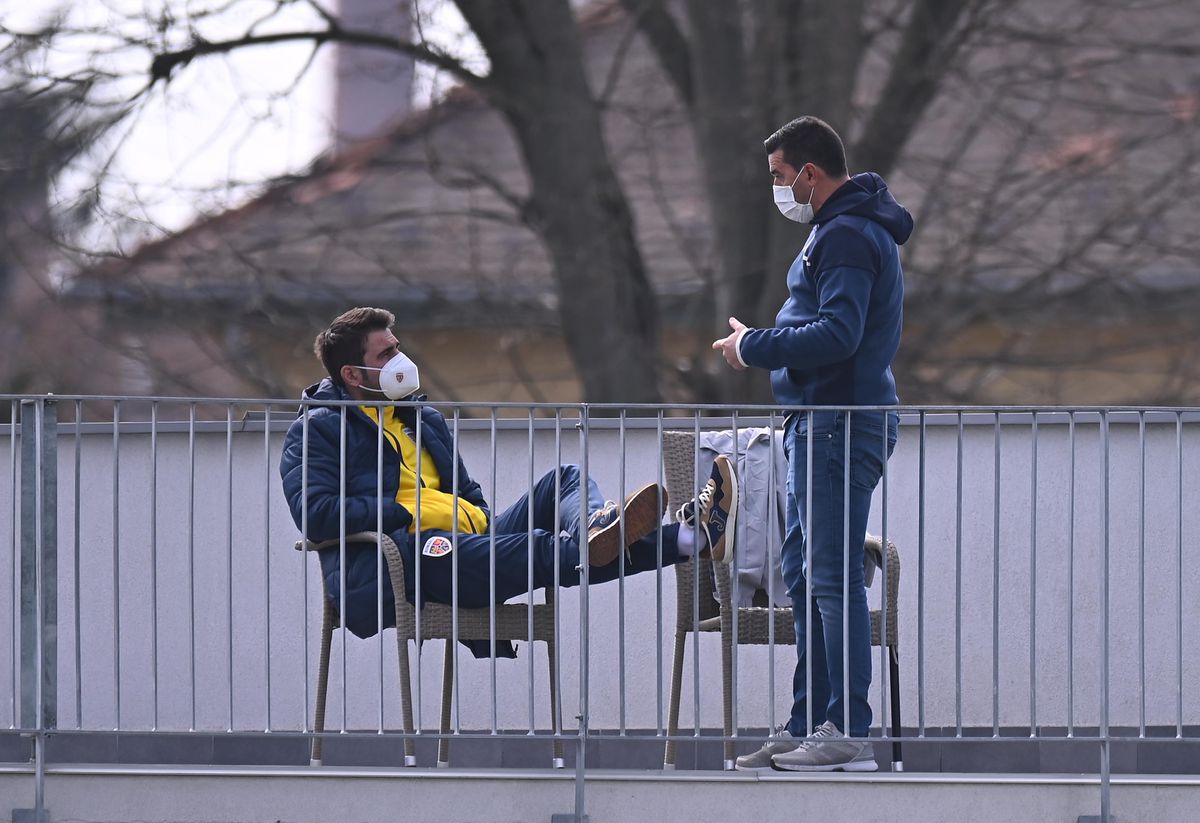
<point>643,511</point>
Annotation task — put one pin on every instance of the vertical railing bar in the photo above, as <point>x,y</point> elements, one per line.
<point>1105,782</point>
<point>153,556</point>
<point>620,575</point>
<point>304,556</point>
<point>380,417</point>
<point>772,496</point>
<point>418,608</point>
<point>696,482</point>
<point>342,553</point>
<point>1033,518</point>
<point>267,548</point>
<point>492,577</point>
<point>1104,628</point>
<point>1142,570</point>
<point>14,519</point>
<point>529,550</point>
<point>78,588</point>
<point>734,596</point>
<point>39,740</point>
<point>658,587</point>
<point>455,628</point>
<point>808,556</point>
<point>14,611</point>
<point>116,537</point>
<point>921,579</point>
<point>1179,577</point>
<point>846,573</point>
<point>885,683</point>
<point>584,637</point>
<point>1071,578</point>
<point>556,681</point>
<point>191,538</point>
<point>958,622</point>
<point>229,547</point>
<point>996,586</point>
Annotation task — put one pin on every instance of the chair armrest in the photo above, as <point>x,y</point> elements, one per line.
<point>357,537</point>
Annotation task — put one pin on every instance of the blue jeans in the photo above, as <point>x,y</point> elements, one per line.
<point>824,559</point>
<point>550,537</point>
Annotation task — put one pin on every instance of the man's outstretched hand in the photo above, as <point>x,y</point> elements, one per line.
<point>727,346</point>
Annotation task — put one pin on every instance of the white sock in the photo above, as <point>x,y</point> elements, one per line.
<point>686,542</point>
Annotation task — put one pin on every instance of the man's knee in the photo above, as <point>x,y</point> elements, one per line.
<point>567,474</point>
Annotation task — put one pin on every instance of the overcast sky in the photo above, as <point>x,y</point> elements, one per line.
<point>223,124</point>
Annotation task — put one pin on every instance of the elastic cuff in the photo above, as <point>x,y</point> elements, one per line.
<point>737,348</point>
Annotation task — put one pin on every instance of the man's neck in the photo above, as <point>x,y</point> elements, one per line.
<point>826,190</point>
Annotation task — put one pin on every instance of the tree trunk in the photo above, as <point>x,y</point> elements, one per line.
<point>576,203</point>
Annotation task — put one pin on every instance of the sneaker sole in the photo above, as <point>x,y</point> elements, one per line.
<point>721,552</point>
<point>643,511</point>
<point>853,766</point>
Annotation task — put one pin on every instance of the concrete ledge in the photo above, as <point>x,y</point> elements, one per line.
<point>267,795</point>
<point>1015,752</point>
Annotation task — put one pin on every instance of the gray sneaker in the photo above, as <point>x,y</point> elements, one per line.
<point>779,742</point>
<point>828,750</point>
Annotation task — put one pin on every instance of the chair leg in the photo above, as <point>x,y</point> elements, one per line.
<point>443,759</point>
<point>406,706</point>
<point>555,709</point>
<point>894,673</point>
<point>727,684</point>
<point>673,709</point>
<point>322,684</point>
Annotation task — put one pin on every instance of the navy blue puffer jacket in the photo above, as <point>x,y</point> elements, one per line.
<point>363,495</point>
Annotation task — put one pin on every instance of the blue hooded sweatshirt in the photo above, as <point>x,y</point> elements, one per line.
<point>837,333</point>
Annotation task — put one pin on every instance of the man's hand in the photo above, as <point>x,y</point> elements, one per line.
<point>727,346</point>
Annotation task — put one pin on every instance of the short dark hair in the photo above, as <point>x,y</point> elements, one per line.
<point>344,343</point>
<point>809,139</point>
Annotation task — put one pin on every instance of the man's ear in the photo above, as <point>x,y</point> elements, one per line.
<point>350,376</point>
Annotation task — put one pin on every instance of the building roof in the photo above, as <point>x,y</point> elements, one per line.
<point>1012,178</point>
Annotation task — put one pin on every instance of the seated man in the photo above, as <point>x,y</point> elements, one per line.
<point>364,363</point>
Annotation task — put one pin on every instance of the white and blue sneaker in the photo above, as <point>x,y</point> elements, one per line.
<point>717,504</point>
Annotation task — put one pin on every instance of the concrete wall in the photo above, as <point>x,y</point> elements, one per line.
<point>216,532</point>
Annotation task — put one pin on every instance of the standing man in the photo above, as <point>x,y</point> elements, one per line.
<point>832,346</point>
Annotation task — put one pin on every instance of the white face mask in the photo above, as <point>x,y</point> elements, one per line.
<point>398,378</point>
<point>785,201</point>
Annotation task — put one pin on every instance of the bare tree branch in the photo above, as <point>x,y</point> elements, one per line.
<point>669,45</point>
<point>164,64</point>
<point>927,47</point>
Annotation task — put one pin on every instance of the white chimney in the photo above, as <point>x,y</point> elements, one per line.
<point>373,87</point>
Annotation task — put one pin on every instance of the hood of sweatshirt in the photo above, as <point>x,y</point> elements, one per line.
<point>866,195</point>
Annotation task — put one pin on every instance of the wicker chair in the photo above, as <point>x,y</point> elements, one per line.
<point>512,623</point>
<point>753,623</point>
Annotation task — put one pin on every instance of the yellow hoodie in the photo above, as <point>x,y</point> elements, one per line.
<point>437,506</point>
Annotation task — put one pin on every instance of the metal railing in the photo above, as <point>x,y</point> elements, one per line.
<point>1044,593</point>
